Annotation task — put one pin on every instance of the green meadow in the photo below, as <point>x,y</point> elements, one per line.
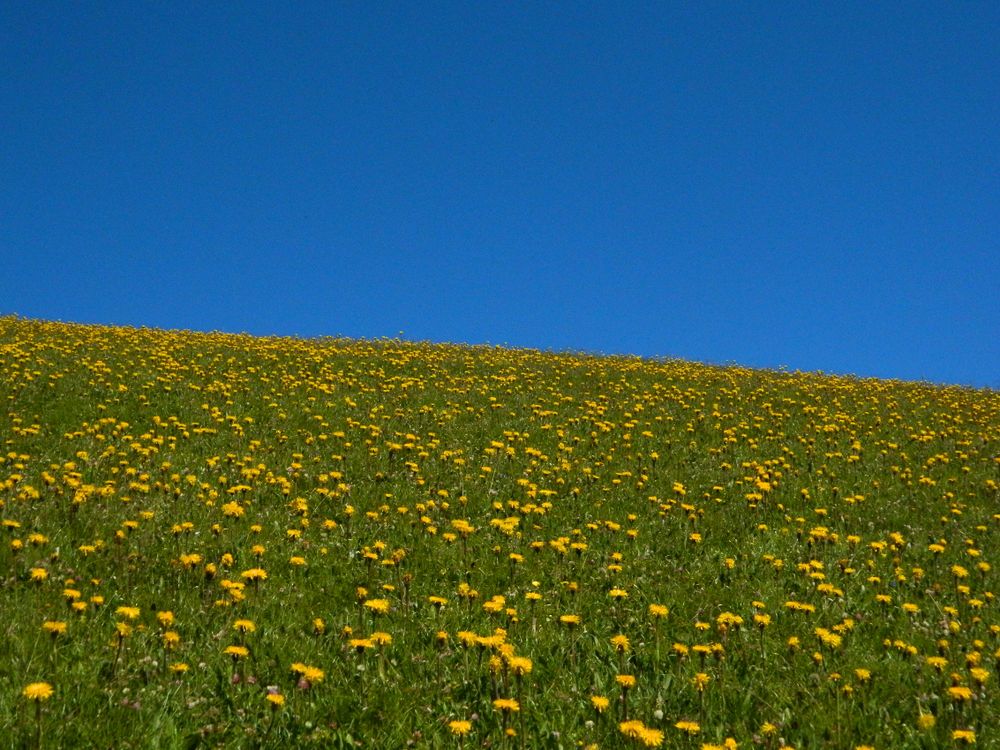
<point>215,540</point>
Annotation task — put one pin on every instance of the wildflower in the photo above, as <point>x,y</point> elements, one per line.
<point>960,693</point>
<point>244,626</point>
<point>378,606</point>
<point>313,675</point>
<point>966,736</point>
<point>237,652</point>
<point>460,727</point>
<point>54,628</point>
<point>506,705</point>
<point>129,613</point>
<point>277,700</point>
<point>632,729</point>
<point>621,644</point>
<point>651,737</point>
<point>688,727</point>
<point>38,692</point>
<point>700,681</point>
<point>937,662</point>
<point>627,681</point>
<point>179,667</point>
<point>361,644</point>
<point>600,703</point>
<point>520,665</point>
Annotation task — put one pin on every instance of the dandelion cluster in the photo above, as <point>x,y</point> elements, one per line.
<point>278,542</point>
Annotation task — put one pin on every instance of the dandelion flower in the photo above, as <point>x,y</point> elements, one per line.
<point>506,705</point>
<point>38,691</point>
<point>129,613</point>
<point>237,652</point>
<point>688,727</point>
<point>378,606</point>
<point>277,700</point>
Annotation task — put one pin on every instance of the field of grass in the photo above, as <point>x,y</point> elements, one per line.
<point>225,541</point>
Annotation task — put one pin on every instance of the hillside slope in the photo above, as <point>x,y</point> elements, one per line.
<point>224,540</point>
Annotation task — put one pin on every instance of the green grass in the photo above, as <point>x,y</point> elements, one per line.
<point>704,489</point>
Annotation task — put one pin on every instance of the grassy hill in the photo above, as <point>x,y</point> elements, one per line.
<point>219,540</point>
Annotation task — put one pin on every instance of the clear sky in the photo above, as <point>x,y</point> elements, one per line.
<point>801,184</point>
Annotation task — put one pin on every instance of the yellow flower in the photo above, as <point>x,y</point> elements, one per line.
<point>254,574</point>
<point>651,737</point>
<point>960,693</point>
<point>38,691</point>
<point>179,667</point>
<point>244,626</point>
<point>632,729</point>
<point>688,727</point>
<point>460,727</point>
<point>129,613</point>
<point>966,736</point>
<point>621,643</point>
<point>277,700</point>
<point>378,606</point>
<point>54,628</point>
<point>625,680</point>
<point>658,610</point>
<point>506,705</point>
<point>937,662</point>
<point>237,652</point>
<point>600,703</point>
<point>520,665</point>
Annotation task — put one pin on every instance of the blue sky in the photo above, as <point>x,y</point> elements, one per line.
<point>809,185</point>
